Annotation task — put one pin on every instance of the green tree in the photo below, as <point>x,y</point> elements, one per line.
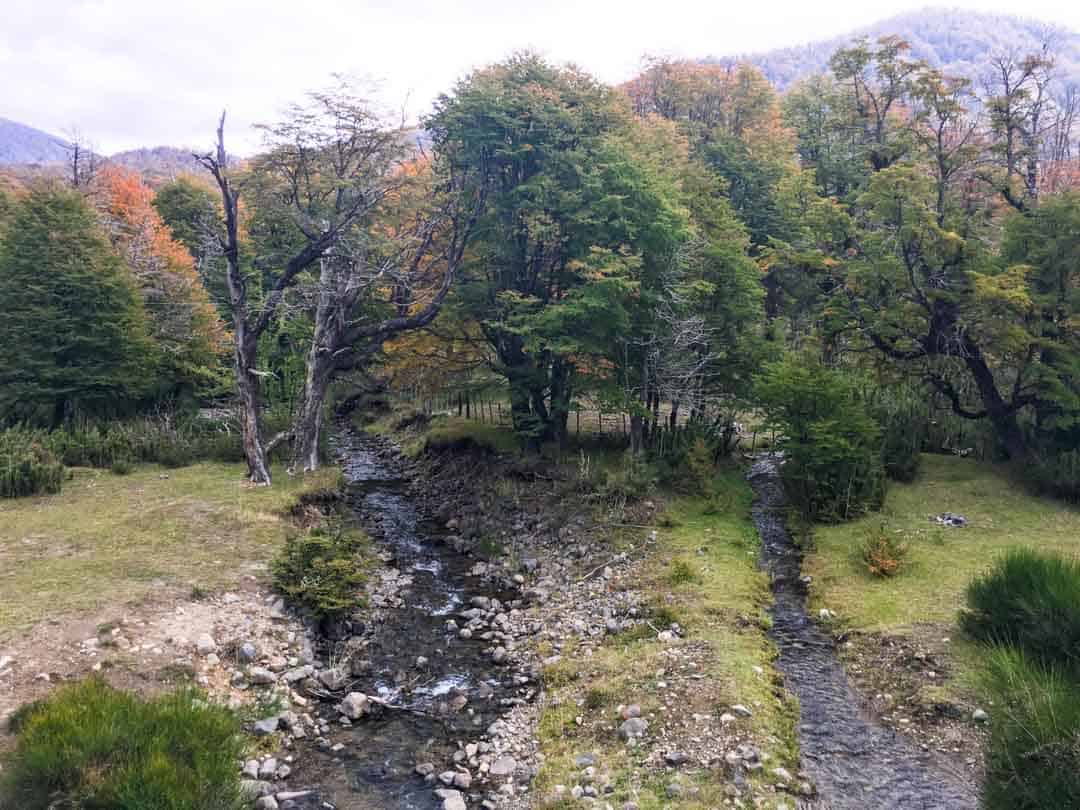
<point>73,339</point>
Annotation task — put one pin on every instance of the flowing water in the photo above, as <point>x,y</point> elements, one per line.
<point>856,763</point>
<point>377,769</point>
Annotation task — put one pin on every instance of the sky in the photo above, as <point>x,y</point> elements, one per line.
<point>129,73</point>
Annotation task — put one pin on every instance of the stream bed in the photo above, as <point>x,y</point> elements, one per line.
<point>856,763</point>
<point>444,688</point>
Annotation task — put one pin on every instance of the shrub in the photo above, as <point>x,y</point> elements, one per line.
<point>322,570</point>
<point>884,552</point>
<point>27,466</point>
<point>631,480</point>
<point>902,414</point>
<point>122,467</point>
<point>1033,754</point>
<point>832,446</point>
<point>1055,473</point>
<point>91,746</point>
<point>1030,600</point>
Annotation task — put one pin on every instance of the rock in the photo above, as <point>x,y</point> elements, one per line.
<point>451,799</point>
<point>254,788</point>
<point>268,768</point>
<point>741,710</point>
<point>980,716</point>
<point>584,760</point>
<point>261,676</point>
<point>499,655</point>
<point>333,679</point>
<point>297,674</point>
<point>463,780</point>
<point>266,726</point>
<point>425,769</point>
<point>676,758</point>
<point>782,774</point>
<point>633,728</point>
<point>503,766</point>
<point>355,705</point>
<point>251,769</point>
<point>266,803</point>
<point>5,660</point>
<point>205,644</point>
<point>633,710</point>
<point>447,778</point>
<point>674,790</point>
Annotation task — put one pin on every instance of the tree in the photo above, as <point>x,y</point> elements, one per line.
<point>73,338</point>
<point>552,265</point>
<point>191,211</point>
<point>184,326</point>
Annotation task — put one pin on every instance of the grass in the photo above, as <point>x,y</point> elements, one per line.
<point>89,745</point>
<point>115,539</point>
<point>703,576</point>
<point>941,561</point>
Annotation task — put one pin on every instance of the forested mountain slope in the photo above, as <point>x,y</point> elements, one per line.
<point>955,40</point>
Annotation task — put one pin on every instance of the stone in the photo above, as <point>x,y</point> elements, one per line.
<point>333,679</point>
<point>268,768</point>
<point>355,705</point>
<point>451,799</point>
<point>741,710</point>
<point>266,726</point>
<point>584,760</point>
<point>503,766</point>
<point>676,758</point>
<point>463,780</point>
<point>425,769</point>
<point>261,676</point>
<point>266,803</point>
<point>251,769</point>
<point>782,774</point>
<point>254,788</point>
<point>447,778</point>
<point>633,710</point>
<point>205,644</point>
<point>633,728</point>
<point>499,655</point>
<point>980,716</point>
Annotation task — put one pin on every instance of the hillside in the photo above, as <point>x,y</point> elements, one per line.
<point>22,144</point>
<point>959,41</point>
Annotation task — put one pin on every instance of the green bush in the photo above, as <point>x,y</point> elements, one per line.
<point>832,445</point>
<point>902,414</point>
<point>1033,754</point>
<point>27,466</point>
<point>93,747</point>
<point>631,480</point>
<point>156,441</point>
<point>1055,473</point>
<point>1032,601</point>
<point>323,570</point>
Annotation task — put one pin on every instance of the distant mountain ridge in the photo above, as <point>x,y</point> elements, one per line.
<point>957,41</point>
<point>22,144</point>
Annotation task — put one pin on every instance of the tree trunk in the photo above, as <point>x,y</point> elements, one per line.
<point>1001,414</point>
<point>247,386</point>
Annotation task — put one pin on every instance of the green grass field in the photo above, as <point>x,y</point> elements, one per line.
<point>941,561</point>
<point>109,539</point>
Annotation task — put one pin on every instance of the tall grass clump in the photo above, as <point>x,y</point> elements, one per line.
<point>27,466</point>
<point>1033,754</point>
<point>1032,601</point>
<point>93,747</point>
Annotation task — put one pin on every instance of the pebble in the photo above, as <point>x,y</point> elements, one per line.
<point>355,705</point>
<point>503,766</point>
<point>980,716</point>
<point>205,644</point>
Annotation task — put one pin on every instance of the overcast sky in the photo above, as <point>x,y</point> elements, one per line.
<point>133,73</point>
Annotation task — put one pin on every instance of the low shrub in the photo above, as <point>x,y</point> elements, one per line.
<point>1055,473</point>
<point>631,480</point>
<point>94,747</point>
<point>1033,753</point>
<point>323,570</point>
<point>884,552</point>
<point>1032,601</point>
<point>27,466</point>
<point>902,413</point>
<point>121,467</point>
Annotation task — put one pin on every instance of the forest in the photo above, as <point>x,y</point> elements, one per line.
<point>874,269</point>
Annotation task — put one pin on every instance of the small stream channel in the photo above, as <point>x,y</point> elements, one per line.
<point>377,767</point>
<point>855,762</point>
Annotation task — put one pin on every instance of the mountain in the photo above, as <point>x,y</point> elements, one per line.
<point>958,41</point>
<point>158,164</point>
<point>22,144</point>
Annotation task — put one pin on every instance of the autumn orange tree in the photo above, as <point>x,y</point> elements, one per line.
<point>183,322</point>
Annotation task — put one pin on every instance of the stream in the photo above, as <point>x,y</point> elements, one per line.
<point>855,762</point>
<point>377,767</point>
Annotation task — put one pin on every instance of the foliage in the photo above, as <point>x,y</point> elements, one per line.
<point>884,551</point>
<point>323,570</point>
<point>27,466</point>
<point>1031,600</point>
<point>1033,754</point>
<point>1055,472</point>
<point>832,459</point>
<point>89,745</point>
<point>901,411</point>
<point>73,340</point>
<point>632,479</point>
<point>162,440</point>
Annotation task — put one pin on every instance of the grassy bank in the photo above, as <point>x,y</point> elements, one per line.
<point>941,561</point>
<point>700,573</point>
<point>109,539</point>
